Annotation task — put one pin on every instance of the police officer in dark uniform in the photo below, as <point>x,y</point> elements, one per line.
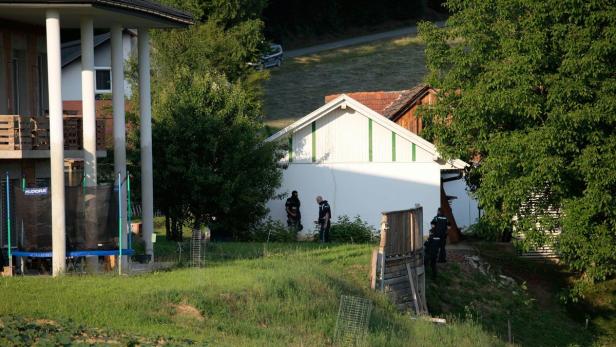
<point>325,215</point>
<point>294,216</point>
<point>441,224</point>
<point>432,245</point>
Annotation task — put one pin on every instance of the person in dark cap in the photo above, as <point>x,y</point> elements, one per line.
<point>294,216</point>
<point>441,225</point>
<point>325,215</point>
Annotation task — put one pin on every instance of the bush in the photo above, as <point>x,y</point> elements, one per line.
<point>272,230</point>
<point>484,230</point>
<point>356,231</point>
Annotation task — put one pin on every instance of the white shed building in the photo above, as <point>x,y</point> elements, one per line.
<point>361,162</point>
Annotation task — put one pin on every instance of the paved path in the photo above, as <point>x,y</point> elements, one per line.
<point>355,41</point>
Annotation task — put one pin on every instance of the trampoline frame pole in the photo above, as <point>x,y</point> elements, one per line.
<point>129,212</point>
<point>120,223</point>
<point>8,221</point>
<point>23,183</point>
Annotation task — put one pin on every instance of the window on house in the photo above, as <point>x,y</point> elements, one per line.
<point>43,101</point>
<point>103,80</point>
<point>20,90</point>
<point>3,82</point>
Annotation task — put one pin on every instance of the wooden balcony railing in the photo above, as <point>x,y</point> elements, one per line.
<point>22,133</point>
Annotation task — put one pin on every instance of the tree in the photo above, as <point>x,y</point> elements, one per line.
<point>528,87</point>
<point>226,37</point>
<point>210,155</point>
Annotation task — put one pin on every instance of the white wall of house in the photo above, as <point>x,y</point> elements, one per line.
<point>71,74</point>
<point>364,189</point>
<point>345,176</point>
<point>465,207</point>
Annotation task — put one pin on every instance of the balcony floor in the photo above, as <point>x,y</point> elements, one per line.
<point>44,153</point>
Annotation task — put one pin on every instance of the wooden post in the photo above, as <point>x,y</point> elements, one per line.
<point>375,255</point>
<point>413,291</point>
<point>382,246</point>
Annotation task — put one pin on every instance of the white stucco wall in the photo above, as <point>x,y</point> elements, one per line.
<point>71,74</point>
<point>364,189</point>
<point>465,207</point>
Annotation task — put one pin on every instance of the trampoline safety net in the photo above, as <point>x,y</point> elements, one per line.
<point>91,218</point>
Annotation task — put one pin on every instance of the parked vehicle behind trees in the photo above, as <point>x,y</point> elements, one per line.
<point>272,58</point>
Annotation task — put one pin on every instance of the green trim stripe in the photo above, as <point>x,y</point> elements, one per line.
<point>369,139</point>
<point>414,152</point>
<point>393,146</point>
<point>314,141</point>
<point>291,148</point>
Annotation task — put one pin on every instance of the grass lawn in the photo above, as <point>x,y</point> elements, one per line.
<point>251,294</point>
<point>546,282</point>
<point>299,86</point>
<point>287,297</point>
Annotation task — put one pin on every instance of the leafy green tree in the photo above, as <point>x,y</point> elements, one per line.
<point>210,156</point>
<point>529,88</point>
<point>226,37</point>
<point>215,51</point>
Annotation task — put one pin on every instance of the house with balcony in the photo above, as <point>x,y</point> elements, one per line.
<point>37,138</point>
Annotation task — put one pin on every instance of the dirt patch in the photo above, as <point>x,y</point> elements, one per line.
<point>185,310</point>
<point>46,322</point>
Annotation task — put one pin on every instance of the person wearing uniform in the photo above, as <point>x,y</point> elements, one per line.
<point>432,245</point>
<point>441,224</point>
<point>294,216</point>
<point>325,215</point>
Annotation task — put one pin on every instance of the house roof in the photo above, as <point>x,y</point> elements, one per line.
<point>149,13</point>
<point>391,104</point>
<point>71,50</point>
<point>344,100</point>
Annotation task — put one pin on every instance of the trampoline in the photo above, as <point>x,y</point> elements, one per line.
<point>93,221</point>
<point>127,251</point>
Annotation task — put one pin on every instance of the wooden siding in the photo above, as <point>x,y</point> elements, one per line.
<point>27,38</point>
<point>408,119</point>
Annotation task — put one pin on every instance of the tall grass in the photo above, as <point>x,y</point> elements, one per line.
<point>280,295</point>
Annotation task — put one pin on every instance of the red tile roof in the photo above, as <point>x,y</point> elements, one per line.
<point>386,103</point>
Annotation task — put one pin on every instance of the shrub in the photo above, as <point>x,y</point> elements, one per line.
<point>484,230</point>
<point>356,230</point>
<point>272,230</point>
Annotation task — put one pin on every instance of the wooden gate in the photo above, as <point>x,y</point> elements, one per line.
<point>397,265</point>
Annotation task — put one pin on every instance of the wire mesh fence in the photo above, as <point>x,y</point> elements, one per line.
<point>352,322</point>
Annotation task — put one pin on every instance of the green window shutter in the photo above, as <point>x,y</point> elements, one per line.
<point>314,141</point>
<point>291,148</point>
<point>369,139</point>
<point>414,152</point>
<point>393,146</point>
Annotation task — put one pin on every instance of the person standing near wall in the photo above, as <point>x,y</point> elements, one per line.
<point>325,216</point>
<point>432,246</point>
<point>442,223</point>
<point>294,216</point>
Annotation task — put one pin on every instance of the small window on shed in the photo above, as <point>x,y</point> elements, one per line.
<point>103,80</point>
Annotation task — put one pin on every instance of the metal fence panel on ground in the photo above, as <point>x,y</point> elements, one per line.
<point>353,319</point>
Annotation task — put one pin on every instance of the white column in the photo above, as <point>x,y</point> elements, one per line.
<point>89,129</point>
<point>145,114</point>
<point>88,100</point>
<point>119,124</point>
<point>56,139</point>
